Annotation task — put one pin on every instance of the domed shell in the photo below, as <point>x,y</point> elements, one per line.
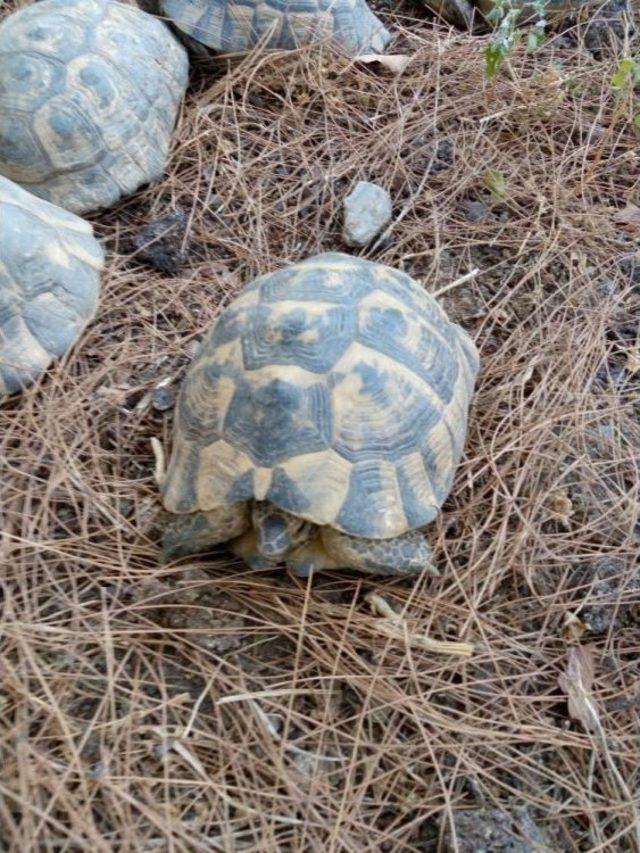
<point>237,26</point>
<point>337,389</point>
<point>50,267</point>
<point>89,94</point>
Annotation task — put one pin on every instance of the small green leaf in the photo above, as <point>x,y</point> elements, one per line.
<point>628,65</point>
<point>496,184</point>
<point>493,57</point>
<point>534,39</point>
<point>636,120</point>
<point>618,80</point>
<point>626,73</point>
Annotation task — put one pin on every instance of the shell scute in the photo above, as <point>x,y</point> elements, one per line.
<point>277,418</point>
<point>242,488</point>
<point>334,282</point>
<point>379,410</point>
<point>285,491</point>
<point>27,81</point>
<point>373,504</point>
<point>419,499</point>
<point>420,347</point>
<point>310,337</point>
<point>20,148</point>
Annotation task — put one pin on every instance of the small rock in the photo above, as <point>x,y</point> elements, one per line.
<point>163,398</point>
<point>475,211</point>
<point>609,588</point>
<point>160,242</point>
<point>630,267</point>
<point>367,210</point>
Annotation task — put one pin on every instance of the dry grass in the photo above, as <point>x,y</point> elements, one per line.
<point>207,707</point>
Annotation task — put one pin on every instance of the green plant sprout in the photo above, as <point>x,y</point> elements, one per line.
<point>624,79</point>
<point>626,75</point>
<point>506,34</point>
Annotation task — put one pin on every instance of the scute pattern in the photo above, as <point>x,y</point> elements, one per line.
<point>361,432</point>
<point>274,418</point>
<point>89,94</point>
<point>239,25</point>
<point>310,336</point>
<point>50,267</point>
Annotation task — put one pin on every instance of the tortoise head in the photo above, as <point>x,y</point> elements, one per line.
<point>278,532</point>
<point>195,532</point>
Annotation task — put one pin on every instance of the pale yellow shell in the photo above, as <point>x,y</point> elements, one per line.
<point>337,389</point>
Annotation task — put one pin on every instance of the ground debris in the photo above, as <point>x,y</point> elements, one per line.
<point>400,628</point>
<point>494,831</point>
<point>576,682</point>
<point>162,242</point>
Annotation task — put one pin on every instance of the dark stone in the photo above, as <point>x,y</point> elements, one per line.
<point>475,211</point>
<point>609,588</point>
<point>159,243</point>
<point>605,31</point>
<point>630,268</point>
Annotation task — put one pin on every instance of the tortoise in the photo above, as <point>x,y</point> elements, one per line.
<point>89,94</point>
<point>321,422</point>
<point>237,26</point>
<point>50,266</point>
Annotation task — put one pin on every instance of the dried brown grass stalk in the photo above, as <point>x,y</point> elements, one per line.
<point>207,707</point>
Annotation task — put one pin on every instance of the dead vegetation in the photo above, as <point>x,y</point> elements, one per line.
<point>202,706</point>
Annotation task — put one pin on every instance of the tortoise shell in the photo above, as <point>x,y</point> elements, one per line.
<point>337,389</point>
<point>89,94</point>
<point>237,26</point>
<point>50,267</point>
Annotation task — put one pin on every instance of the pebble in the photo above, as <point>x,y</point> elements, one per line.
<point>163,398</point>
<point>367,210</point>
<point>475,211</point>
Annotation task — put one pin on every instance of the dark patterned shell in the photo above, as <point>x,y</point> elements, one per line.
<point>50,267</point>
<point>237,26</point>
<point>89,93</point>
<point>337,389</point>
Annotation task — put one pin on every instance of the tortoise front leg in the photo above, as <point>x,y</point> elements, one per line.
<point>408,554</point>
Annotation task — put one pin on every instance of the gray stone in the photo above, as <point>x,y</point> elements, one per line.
<point>494,831</point>
<point>475,211</point>
<point>367,210</point>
